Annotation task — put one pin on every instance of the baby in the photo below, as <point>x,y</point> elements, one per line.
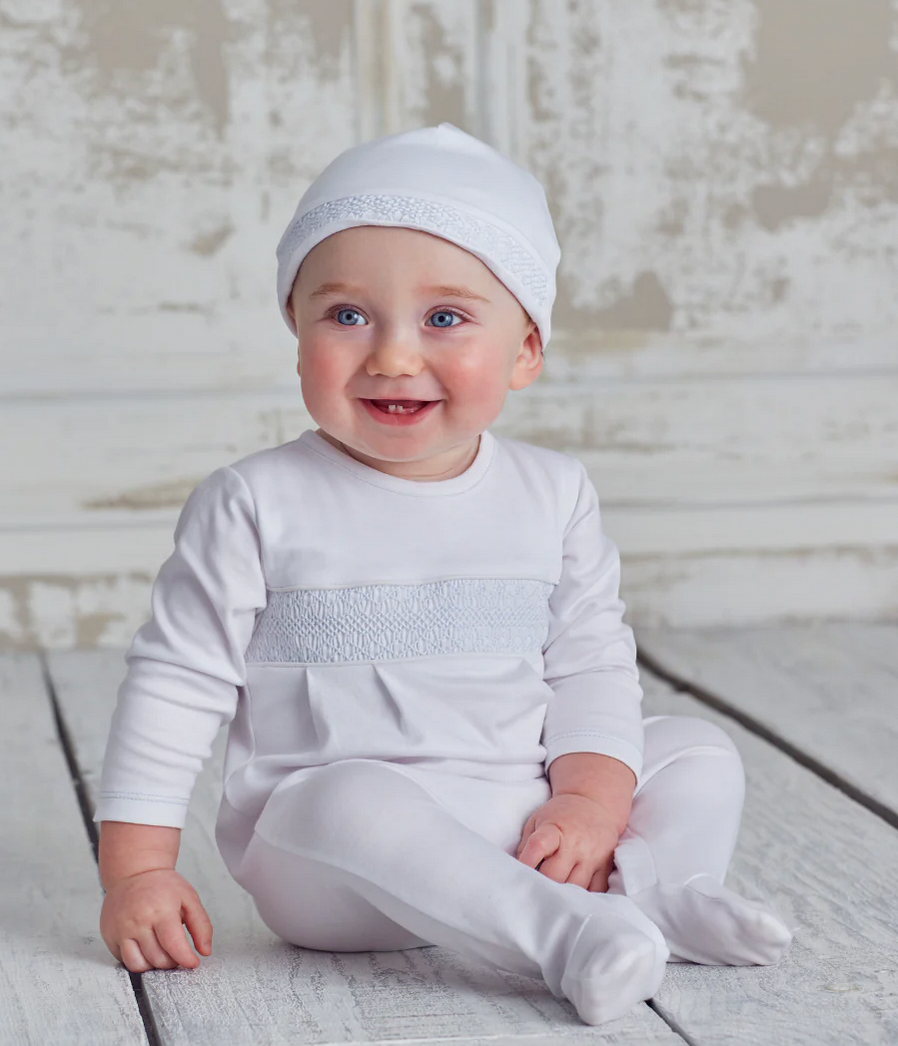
<point>414,630</point>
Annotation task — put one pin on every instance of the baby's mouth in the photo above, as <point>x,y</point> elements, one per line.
<point>399,406</point>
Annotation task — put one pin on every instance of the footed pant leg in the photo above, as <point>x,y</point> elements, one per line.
<point>687,804</point>
<point>380,843</point>
<point>672,858</point>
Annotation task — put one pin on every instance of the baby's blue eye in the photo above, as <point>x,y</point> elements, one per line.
<point>340,313</point>
<point>445,312</point>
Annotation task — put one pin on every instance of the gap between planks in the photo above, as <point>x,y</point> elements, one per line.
<point>755,726</point>
<point>91,828</point>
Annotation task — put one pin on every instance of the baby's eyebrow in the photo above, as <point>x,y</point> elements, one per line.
<point>444,289</point>
<point>455,292</point>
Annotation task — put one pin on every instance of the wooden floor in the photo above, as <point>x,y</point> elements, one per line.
<point>813,710</point>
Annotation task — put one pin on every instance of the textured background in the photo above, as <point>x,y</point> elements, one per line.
<point>723,176</point>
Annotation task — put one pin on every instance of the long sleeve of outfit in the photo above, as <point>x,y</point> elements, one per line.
<point>328,611</point>
<point>185,665</point>
<point>590,654</point>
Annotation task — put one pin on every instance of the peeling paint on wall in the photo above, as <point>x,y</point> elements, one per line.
<point>210,242</point>
<point>326,24</point>
<point>66,612</point>
<point>774,205</point>
<point>720,146</point>
<point>645,306</point>
<point>120,41</point>
<point>446,75</point>
<point>435,69</point>
<point>815,60</point>
<point>816,65</point>
<point>157,495</point>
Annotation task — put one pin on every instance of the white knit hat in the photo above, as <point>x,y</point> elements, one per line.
<point>443,181</point>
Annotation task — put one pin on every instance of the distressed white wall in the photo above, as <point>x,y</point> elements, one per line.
<point>724,180</point>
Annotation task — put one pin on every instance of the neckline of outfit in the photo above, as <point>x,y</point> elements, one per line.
<point>417,488</point>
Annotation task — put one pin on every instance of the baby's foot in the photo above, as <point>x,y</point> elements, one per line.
<point>703,921</point>
<point>618,959</point>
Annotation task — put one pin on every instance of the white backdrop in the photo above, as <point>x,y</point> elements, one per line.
<point>724,356</point>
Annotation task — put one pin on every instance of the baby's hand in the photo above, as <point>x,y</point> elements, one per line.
<point>574,837</point>
<point>141,921</point>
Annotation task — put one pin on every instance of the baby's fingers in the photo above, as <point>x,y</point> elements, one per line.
<point>156,954</point>
<point>171,936</point>
<point>544,841</point>
<point>198,923</point>
<point>132,957</point>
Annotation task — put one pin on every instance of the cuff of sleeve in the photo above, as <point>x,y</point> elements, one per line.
<point>601,744</point>
<point>169,813</point>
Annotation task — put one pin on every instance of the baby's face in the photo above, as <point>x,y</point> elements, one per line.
<point>389,332</point>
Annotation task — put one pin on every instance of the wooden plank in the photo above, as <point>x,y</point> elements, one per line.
<point>142,540</point>
<point>590,354</point>
<point>58,982</point>
<point>658,445</point>
<point>176,349</point>
<point>257,990</point>
<point>830,689</point>
<point>827,866</point>
<point>754,588</point>
<point>90,586</point>
<point>65,606</point>
<point>669,531</point>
